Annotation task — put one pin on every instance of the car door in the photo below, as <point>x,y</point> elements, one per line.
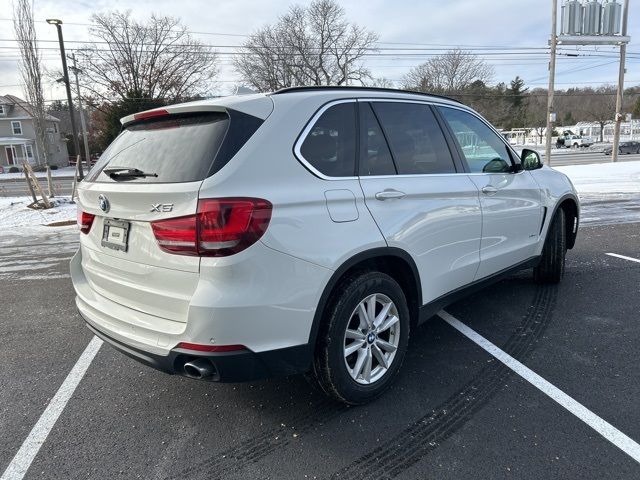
<point>420,199</point>
<point>509,196</point>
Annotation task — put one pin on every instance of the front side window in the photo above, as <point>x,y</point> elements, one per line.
<point>1,110</point>
<point>16,128</point>
<point>417,143</point>
<point>330,145</point>
<point>483,149</point>
<point>29,151</point>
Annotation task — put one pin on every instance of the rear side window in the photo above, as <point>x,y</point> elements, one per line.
<point>417,143</point>
<point>482,148</point>
<point>375,157</point>
<point>177,148</point>
<point>330,145</point>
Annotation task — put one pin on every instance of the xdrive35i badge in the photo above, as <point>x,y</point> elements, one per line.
<point>103,203</point>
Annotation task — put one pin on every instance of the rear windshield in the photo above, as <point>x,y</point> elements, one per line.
<point>179,148</point>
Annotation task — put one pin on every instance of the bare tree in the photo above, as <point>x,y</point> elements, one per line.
<point>536,113</point>
<point>599,105</point>
<point>451,72</point>
<point>312,45</point>
<point>157,59</point>
<point>31,70</point>
<point>380,82</point>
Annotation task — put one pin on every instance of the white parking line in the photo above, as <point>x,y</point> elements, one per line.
<point>30,447</point>
<point>631,259</point>
<point>608,431</point>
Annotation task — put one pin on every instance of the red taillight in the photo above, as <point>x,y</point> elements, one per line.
<point>151,114</point>
<point>85,220</point>
<point>210,348</point>
<point>221,227</point>
<point>177,235</point>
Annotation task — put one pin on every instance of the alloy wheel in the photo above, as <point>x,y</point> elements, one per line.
<point>371,339</point>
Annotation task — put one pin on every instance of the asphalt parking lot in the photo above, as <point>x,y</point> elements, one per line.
<point>456,412</point>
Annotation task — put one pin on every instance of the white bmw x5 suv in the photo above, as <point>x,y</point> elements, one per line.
<point>310,229</point>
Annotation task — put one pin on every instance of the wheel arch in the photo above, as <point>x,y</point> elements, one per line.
<point>569,203</point>
<point>395,262</point>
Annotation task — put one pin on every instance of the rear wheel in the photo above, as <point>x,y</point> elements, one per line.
<point>551,266</point>
<point>364,338</point>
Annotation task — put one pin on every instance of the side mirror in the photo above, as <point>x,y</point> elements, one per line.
<point>530,159</point>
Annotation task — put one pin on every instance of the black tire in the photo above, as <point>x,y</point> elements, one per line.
<point>329,367</point>
<point>551,266</point>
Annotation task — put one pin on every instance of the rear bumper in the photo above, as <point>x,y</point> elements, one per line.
<point>240,366</point>
<point>276,335</point>
<point>259,298</point>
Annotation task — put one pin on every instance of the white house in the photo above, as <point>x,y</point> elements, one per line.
<point>18,137</point>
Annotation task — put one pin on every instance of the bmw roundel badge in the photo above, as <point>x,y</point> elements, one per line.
<point>103,202</point>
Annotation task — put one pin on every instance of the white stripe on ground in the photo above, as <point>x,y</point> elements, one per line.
<point>30,447</point>
<point>608,431</point>
<point>43,277</point>
<point>631,259</point>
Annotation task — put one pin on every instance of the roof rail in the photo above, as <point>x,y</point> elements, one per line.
<point>370,89</point>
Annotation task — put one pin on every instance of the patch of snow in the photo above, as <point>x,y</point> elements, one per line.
<point>609,192</point>
<point>14,213</point>
<point>604,179</point>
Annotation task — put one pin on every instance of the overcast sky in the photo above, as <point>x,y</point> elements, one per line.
<point>464,23</point>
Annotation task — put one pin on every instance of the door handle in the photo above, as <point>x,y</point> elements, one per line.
<point>489,190</point>
<point>389,194</point>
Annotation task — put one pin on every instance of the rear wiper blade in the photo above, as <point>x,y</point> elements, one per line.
<point>127,172</point>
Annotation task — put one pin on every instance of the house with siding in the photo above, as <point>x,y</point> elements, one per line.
<point>18,136</point>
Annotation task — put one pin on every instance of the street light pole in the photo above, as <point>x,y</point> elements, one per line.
<point>552,80</point>
<point>65,73</point>
<point>620,91</point>
<point>83,126</point>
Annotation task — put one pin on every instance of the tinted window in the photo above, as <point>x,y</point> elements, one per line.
<point>176,148</point>
<point>242,127</point>
<point>482,147</point>
<point>417,143</point>
<point>330,146</point>
<point>375,157</point>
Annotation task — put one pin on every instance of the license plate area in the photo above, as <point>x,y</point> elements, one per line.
<point>115,234</point>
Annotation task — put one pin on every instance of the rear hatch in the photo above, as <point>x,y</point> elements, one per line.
<point>152,171</point>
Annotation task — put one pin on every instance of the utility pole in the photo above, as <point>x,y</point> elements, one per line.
<point>623,54</point>
<point>552,78</point>
<point>65,73</point>
<point>75,71</point>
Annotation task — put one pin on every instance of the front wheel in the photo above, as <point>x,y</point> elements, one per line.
<point>363,339</point>
<point>551,266</point>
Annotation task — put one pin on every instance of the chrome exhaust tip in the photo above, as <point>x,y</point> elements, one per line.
<point>200,369</point>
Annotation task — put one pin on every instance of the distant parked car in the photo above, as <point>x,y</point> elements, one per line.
<point>573,141</point>
<point>624,147</point>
